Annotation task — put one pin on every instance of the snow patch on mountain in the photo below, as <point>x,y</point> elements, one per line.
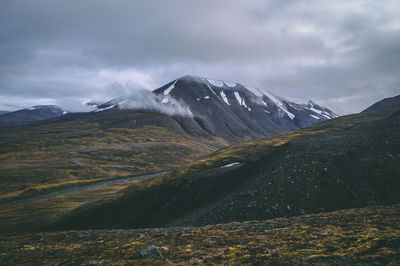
<point>311,108</point>
<point>230,84</point>
<point>211,90</point>
<point>216,83</point>
<point>255,91</point>
<point>224,97</point>
<point>279,104</point>
<point>170,88</point>
<point>240,99</point>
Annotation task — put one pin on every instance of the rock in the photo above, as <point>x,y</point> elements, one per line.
<point>151,252</point>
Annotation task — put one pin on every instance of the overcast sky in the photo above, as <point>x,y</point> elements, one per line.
<point>343,54</point>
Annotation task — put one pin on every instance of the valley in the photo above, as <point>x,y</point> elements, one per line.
<point>341,163</point>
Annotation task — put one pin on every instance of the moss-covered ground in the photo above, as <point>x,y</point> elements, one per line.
<point>41,158</point>
<point>366,236</point>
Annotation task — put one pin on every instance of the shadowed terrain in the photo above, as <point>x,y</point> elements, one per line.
<point>347,162</point>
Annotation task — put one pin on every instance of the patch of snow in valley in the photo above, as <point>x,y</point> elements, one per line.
<point>64,113</point>
<point>230,165</point>
<point>207,97</point>
<point>165,100</point>
<point>224,97</point>
<point>216,83</point>
<point>316,117</point>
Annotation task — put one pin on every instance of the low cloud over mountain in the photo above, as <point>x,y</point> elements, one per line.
<point>342,54</point>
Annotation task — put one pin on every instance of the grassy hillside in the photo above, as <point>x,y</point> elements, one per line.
<point>348,237</point>
<point>346,162</point>
<point>83,148</point>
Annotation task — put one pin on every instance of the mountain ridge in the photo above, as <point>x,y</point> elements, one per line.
<point>226,109</point>
<point>30,115</point>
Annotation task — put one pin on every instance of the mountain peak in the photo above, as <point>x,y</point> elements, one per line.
<point>30,115</point>
<point>224,108</point>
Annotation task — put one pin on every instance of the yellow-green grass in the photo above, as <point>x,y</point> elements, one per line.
<point>40,212</point>
<point>44,158</point>
<point>347,237</point>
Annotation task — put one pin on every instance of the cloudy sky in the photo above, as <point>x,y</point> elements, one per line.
<point>343,54</point>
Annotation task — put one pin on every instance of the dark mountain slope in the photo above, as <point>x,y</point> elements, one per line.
<point>392,103</point>
<point>27,116</point>
<point>227,109</point>
<point>352,161</point>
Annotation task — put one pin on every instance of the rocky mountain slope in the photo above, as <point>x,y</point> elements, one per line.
<point>351,161</point>
<point>27,116</point>
<point>229,109</point>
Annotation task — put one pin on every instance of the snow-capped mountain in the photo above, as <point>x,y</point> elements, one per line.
<point>227,109</point>
<point>30,115</point>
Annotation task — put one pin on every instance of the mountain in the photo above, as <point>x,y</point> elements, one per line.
<point>347,162</point>
<point>27,116</point>
<point>229,109</point>
<point>3,112</point>
<point>146,133</point>
<point>392,103</point>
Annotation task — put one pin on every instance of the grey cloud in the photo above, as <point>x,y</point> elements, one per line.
<point>341,53</point>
